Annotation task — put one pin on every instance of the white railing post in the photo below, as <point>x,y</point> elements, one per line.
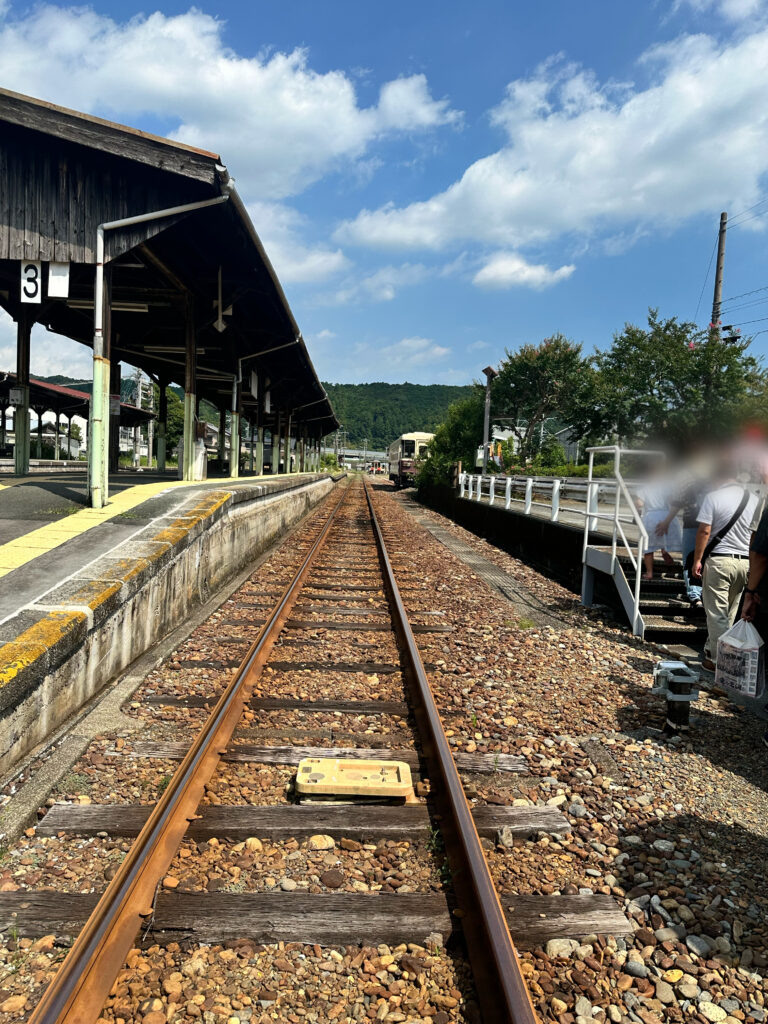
<point>592,505</point>
<point>528,495</point>
<point>462,484</point>
<point>492,491</point>
<point>479,486</point>
<point>508,493</point>
<point>555,513</point>
<point>637,626</point>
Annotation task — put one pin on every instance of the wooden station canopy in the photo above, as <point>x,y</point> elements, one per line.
<point>188,296</point>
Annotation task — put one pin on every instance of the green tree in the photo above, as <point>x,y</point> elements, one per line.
<point>456,440</point>
<point>536,383</point>
<point>671,381</point>
<point>175,422</point>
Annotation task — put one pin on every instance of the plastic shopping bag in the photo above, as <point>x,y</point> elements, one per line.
<point>740,660</point>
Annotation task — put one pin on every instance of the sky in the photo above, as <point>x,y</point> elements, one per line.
<point>436,183</point>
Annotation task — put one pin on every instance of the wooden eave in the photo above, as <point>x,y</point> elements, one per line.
<point>108,137</point>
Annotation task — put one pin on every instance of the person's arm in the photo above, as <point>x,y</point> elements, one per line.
<point>665,524</point>
<point>702,539</point>
<point>758,563</point>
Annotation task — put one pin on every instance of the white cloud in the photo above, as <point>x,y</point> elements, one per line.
<point>279,124</point>
<point>731,10</point>
<point>49,353</point>
<point>509,269</point>
<point>477,346</point>
<point>280,228</point>
<point>583,157</point>
<point>380,286</point>
<point>325,335</point>
<point>410,352</point>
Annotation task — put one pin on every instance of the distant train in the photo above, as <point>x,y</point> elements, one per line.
<point>403,455</point>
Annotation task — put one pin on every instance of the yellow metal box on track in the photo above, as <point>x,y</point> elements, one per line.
<point>334,776</point>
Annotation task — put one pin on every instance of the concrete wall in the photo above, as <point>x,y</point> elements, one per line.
<point>553,547</point>
<point>91,628</point>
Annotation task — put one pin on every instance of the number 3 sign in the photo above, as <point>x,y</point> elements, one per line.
<point>31,281</point>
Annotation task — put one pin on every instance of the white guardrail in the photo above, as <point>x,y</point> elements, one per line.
<point>607,500</point>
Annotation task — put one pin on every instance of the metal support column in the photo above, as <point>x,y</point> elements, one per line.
<point>98,415</point>
<point>190,394</point>
<point>234,431</point>
<point>115,372</point>
<point>21,411</point>
<point>162,423</point>
<point>222,445</point>
<point>39,411</point>
<point>276,446</point>
<point>287,457</point>
<point>259,461</point>
<point>251,432</point>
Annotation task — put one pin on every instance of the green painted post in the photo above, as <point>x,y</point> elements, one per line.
<point>190,398</point>
<point>234,444</point>
<point>259,466</point>
<point>21,412</point>
<point>162,424</point>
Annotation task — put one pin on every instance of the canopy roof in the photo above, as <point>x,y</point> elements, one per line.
<point>64,401</point>
<point>63,173</point>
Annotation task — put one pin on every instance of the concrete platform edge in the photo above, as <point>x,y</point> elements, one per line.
<point>84,632</point>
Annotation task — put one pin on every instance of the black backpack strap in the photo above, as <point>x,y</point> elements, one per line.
<point>714,541</point>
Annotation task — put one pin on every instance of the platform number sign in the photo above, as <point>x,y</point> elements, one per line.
<point>31,281</point>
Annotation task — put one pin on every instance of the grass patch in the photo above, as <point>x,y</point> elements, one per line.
<point>75,782</point>
<point>525,623</point>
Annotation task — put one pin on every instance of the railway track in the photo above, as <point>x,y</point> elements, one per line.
<point>333,624</point>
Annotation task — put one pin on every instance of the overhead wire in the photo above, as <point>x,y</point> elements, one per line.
<point>706,278</point>
<point>735,219</point>
<point>743,295</point>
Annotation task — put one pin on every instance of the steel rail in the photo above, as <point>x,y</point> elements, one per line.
<point>77,992</point>
<point>501,989</point>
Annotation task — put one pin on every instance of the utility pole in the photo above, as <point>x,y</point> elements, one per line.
<point>490,373</point>
<point>718,296</point>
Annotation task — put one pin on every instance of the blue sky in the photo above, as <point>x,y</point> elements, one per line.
<point>436,182</point>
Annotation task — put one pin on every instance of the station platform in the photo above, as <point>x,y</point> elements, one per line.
<point>47,532</point>
<point>84,592</point>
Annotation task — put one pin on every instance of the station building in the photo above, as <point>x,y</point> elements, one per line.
<point>142,249</point>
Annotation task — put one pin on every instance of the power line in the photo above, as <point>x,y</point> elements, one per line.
<point>749,209</point>
<point>741,223</point>
<point>743,295</point>
<point>741,323</point>
<point>706,278</point>
<point>745,305</point>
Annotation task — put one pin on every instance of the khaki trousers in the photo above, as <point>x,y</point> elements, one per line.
<point>723,582</point>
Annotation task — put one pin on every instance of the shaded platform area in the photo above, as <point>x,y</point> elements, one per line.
<point>141,248</point>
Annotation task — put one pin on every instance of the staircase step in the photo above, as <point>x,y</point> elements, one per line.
<point>666,608</point>
<point>662,624</point>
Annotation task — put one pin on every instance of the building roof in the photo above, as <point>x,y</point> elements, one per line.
<point>59,399</point>
<point>65,173</point>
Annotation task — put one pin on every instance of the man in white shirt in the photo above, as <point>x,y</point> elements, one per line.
<point>726,515</point>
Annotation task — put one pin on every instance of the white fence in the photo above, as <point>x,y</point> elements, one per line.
<point>543,495</point>
<point>590,502</point>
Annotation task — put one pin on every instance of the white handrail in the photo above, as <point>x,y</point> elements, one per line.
<point>584,496</point>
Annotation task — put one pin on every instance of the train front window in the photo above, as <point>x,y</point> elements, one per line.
<point>409,448</point>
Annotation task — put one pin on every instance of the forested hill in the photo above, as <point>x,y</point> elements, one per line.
<point>378,412</point>
<point>381,412</point>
